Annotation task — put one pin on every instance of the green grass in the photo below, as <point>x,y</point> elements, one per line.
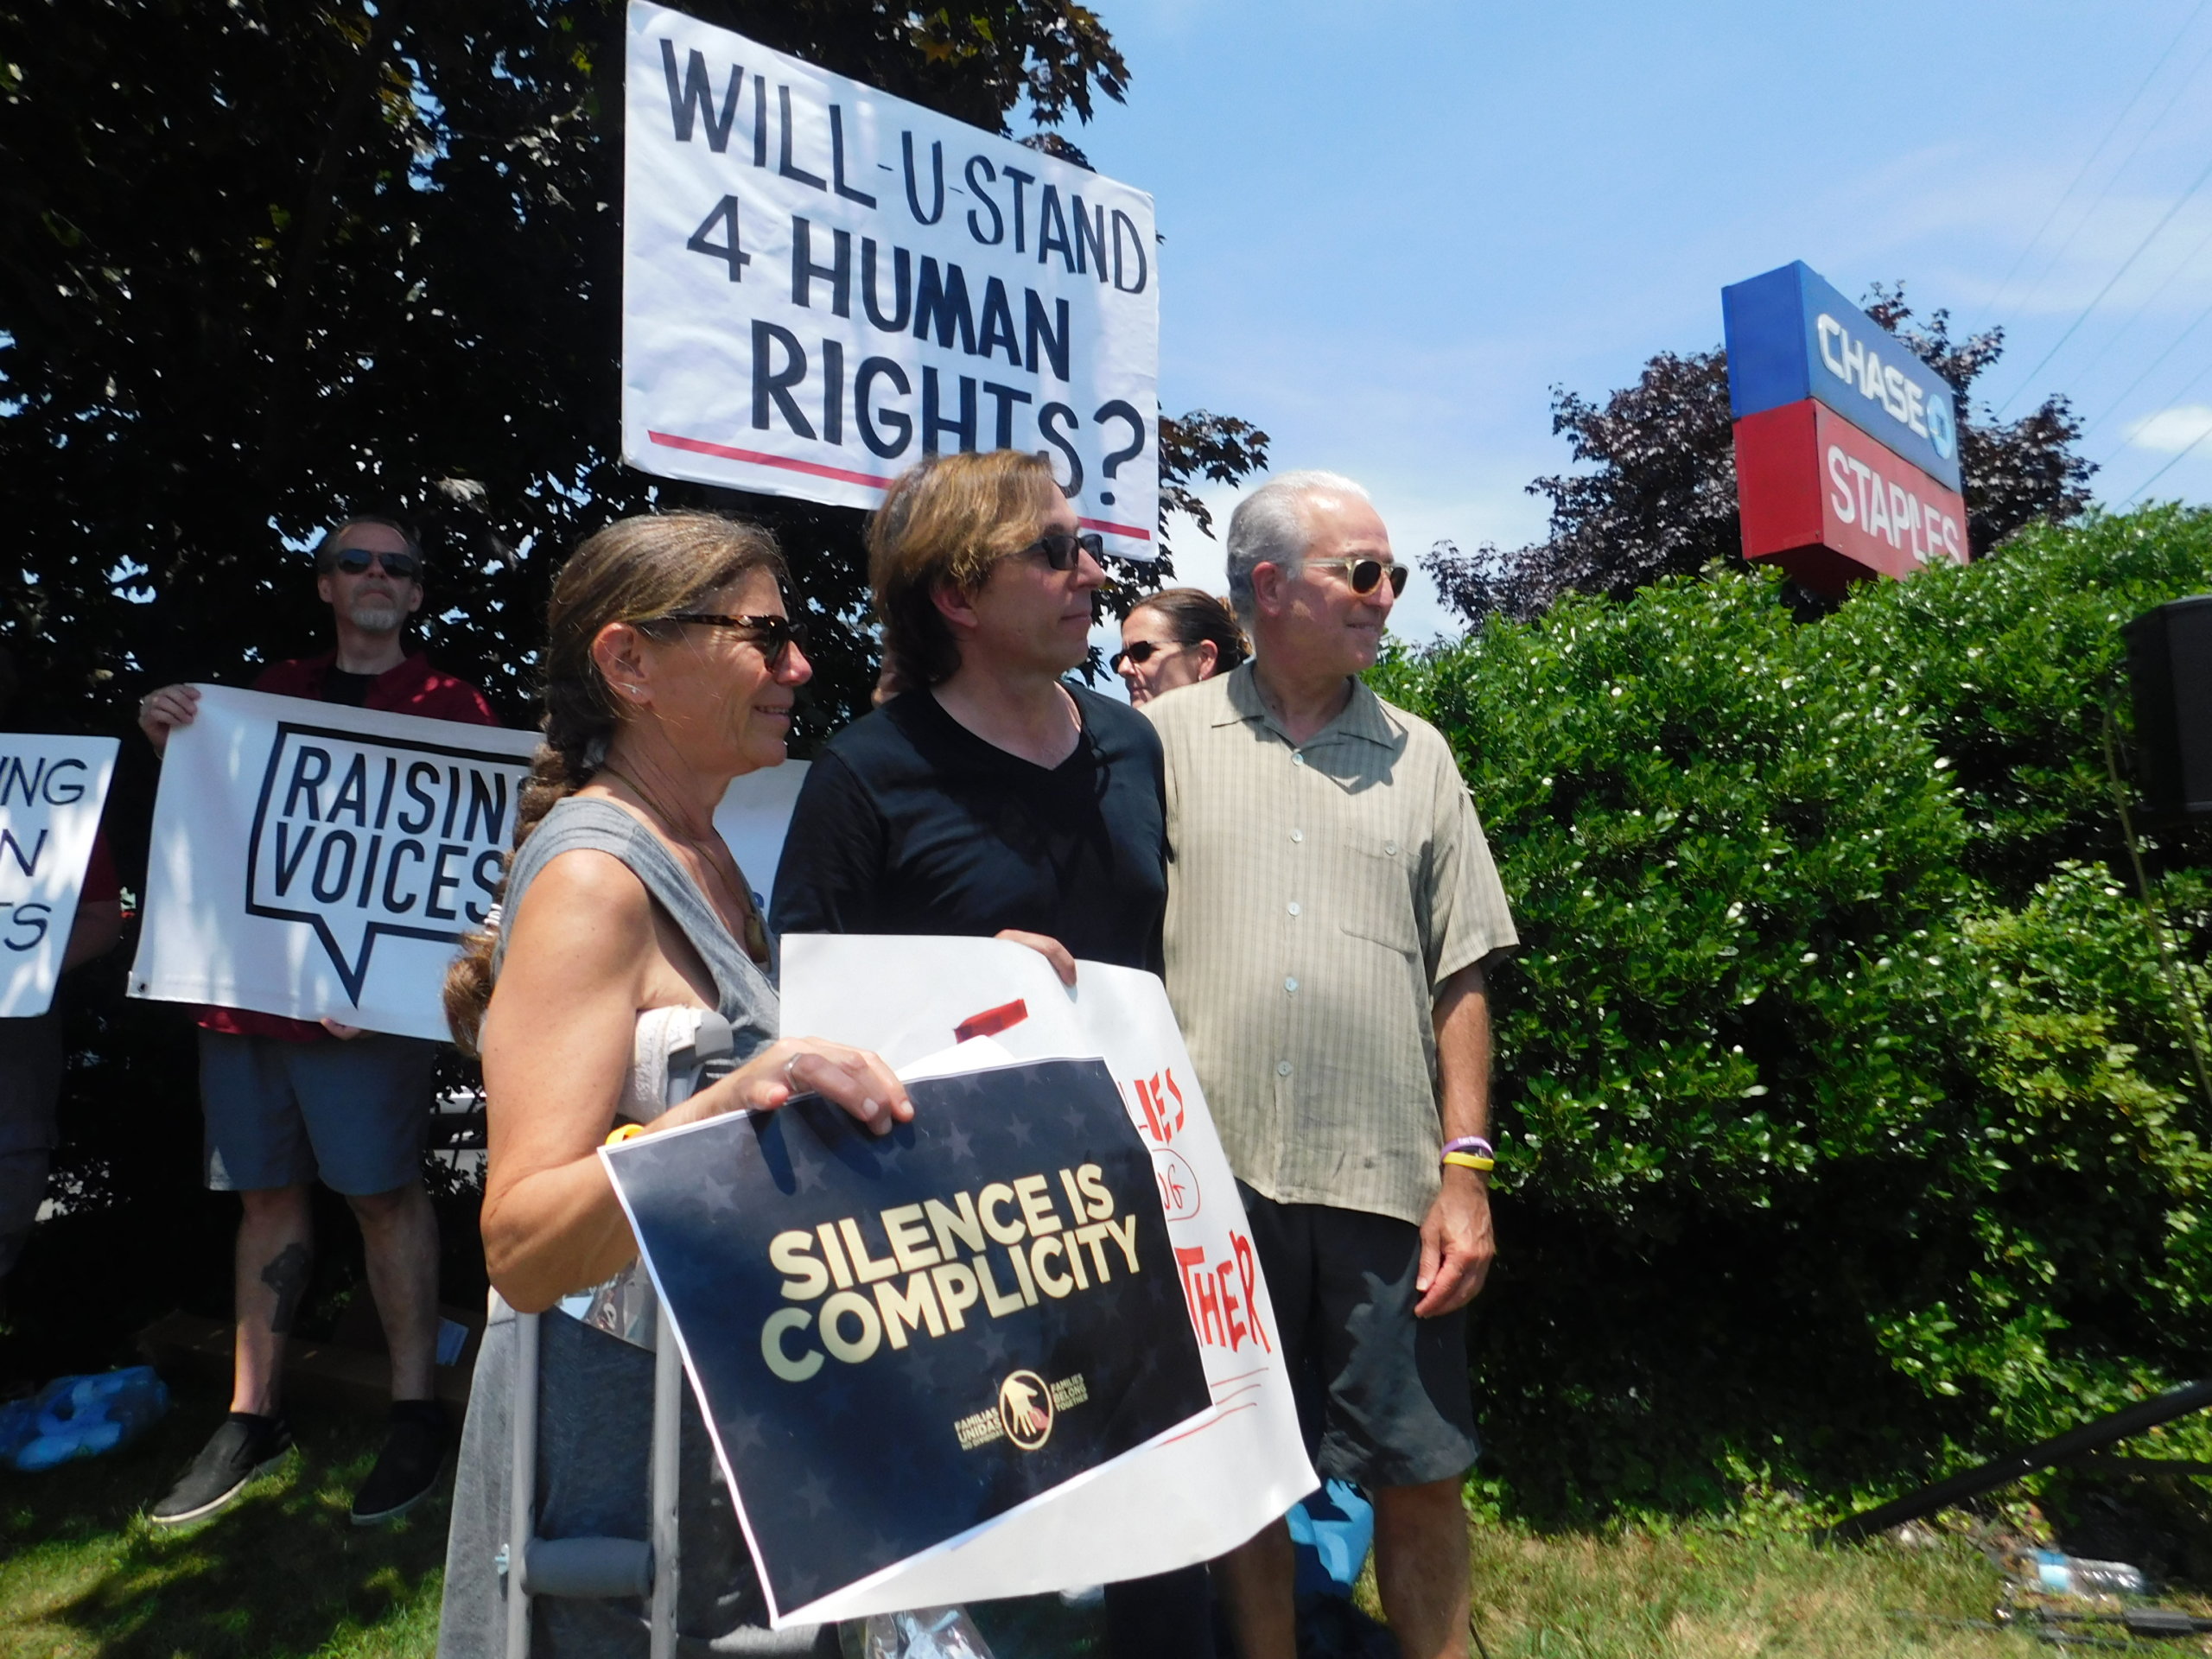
<point>1698,1593</point>
<point>283,1572</point>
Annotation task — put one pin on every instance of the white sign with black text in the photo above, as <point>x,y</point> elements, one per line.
<point>51,792</point>
<point>822,283</point>
<point>319,861</point>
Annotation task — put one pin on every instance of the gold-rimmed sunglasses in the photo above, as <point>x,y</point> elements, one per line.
<point>1365,574</point>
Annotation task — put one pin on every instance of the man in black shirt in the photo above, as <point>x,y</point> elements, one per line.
<point>991,798</point>
<point>911,822</point>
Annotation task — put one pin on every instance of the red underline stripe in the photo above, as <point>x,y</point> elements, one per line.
<point>753,457</point>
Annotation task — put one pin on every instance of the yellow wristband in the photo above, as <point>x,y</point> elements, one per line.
<point>627,1132</point>
<point>1468,1161</point>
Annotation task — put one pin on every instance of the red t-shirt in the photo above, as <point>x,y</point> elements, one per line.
<point>413,688</point>
<point>102,885</point>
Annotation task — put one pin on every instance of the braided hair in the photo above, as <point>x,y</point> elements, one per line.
<point>636,571</point>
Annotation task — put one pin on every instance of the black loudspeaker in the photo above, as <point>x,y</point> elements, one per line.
<point>2169,667</point>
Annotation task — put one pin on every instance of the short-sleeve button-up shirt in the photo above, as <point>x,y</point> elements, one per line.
<point>1317,896</point>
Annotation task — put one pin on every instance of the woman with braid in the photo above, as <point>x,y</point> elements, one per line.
<point>670,669</point>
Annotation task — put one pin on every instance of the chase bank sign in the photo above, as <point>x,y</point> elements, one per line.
<point>1791,336</point>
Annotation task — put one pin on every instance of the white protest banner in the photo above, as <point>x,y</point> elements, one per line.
<point>51,791</point>
<point>822,283</point>
<point>1199,1492</point>
<point>755,814</point>
<point>320,861</point>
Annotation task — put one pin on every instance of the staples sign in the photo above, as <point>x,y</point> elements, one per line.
<point>1831,505</point>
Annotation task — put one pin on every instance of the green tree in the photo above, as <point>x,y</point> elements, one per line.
<point>1848,1107</point>
<point>264,261</point>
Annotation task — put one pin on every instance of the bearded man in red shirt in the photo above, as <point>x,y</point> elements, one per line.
<point>290,1102</point>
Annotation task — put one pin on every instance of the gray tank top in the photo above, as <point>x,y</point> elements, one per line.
<point>744,995</point>
<point>624,1305</point>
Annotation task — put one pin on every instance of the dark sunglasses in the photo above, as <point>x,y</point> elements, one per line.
<point>1060,551</point>
<point>356,561</point>
<point>1142,653</point>
<point>1363,574</point>
<point>775,635</point>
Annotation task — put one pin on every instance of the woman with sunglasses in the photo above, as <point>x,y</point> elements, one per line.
<point>1177,637</point>
<point>625,925</point>
<point>991,795</point>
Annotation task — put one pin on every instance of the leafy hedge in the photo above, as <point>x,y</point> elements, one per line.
<point>1849,1111</point>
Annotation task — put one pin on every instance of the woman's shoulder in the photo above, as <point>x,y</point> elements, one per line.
<point>580,821</point>
<point>584,905</point>
<point>581,834</point>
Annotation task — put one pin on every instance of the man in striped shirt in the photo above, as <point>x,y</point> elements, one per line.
<point>1331,908</point>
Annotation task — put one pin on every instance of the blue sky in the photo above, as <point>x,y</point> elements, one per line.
<point>1392,227</point>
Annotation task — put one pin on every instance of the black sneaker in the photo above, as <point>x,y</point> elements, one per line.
<point>243,1449</point>
<point>407,1468</point>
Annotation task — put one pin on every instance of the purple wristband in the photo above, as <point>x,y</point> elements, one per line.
<point>1471,1143</point>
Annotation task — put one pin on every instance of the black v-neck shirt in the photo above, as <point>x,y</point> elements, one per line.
<point>908,823</point>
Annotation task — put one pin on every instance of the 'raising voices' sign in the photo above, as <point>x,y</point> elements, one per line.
<point>320,861</point>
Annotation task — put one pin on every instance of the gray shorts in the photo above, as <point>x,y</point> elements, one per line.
<point>354,1114</point>
<point>23,1190</point>
<point>31,1067</point>
<point>31,1063</point>
<point>1382,1396</point>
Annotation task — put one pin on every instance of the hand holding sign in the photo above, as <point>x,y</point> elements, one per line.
<point>1186,1496</point>
<point>161,712</point>
<point>898,1340</point>
<point>854,1081</point>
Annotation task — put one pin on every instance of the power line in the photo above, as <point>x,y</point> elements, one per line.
<point>2119,172</point>
<point>2119,120</point>
<point>2126,265</point>
<point>2178,458</point>
<point>2133,317</point>
<point>2075,184</point>
<point>2195,381</point>
<point>2175,345</point>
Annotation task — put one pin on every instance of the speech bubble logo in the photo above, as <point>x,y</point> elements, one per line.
<point>362,838</point>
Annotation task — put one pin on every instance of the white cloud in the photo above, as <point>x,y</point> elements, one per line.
<point>2171,430</point>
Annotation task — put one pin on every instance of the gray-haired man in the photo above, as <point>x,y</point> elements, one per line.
<point>1332,905</point>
